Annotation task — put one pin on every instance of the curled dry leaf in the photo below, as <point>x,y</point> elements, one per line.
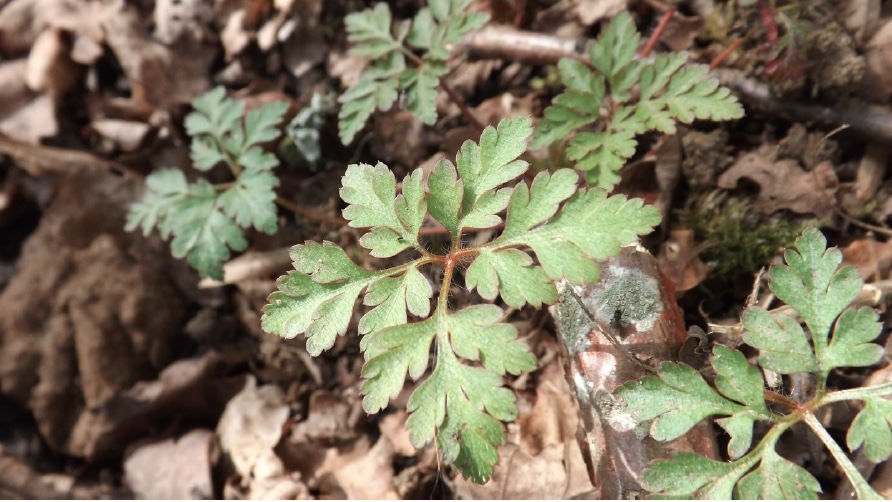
<point>785,185</point>
<point>679,259</point>
<point>50,68</point>
<point>249,430</point>
<point>872,258</point>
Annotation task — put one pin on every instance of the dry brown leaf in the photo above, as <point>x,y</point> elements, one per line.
<point>251,426</point>
<point>369,477</point>
<point>121,135</point>
<point>50,68</point>
<point>872,258</point>
<point>785,185</point>
<point>175,19</point>
<point>172,469</point>
<point>233,36</point>
<point>591,11</point>
<point>860,17</point>
<point>303,51</point>
<point>33,121</point>
<point>679,259</point>
<point>681,31</point>
<point>249,430</point>
<point>393,427</point>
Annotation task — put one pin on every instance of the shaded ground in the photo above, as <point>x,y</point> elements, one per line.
<point>122,375</point>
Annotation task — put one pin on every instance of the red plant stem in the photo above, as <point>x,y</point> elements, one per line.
<point>655,36</point>
<point>465,110</point>
<point>725,53</point>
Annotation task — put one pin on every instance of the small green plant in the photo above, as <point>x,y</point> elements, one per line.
<point>431,32</point>
<point>603,92</point>
<point>207,221</point>
<point>462,401</point>
<point>679,397</point>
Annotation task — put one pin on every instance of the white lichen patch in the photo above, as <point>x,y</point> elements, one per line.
<point>631,292</point>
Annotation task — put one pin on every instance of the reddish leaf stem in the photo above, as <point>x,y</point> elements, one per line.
<point>655,36</point>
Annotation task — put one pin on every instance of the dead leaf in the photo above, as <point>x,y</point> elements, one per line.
<point>32,122</point>
<point>591,11</point>
<point>785,185</point>
<point>393,427</point>
<point>50,68</point>
<point>679,259</point>
<point>860,17</point>
<point>878,60</point>
<point>172,469</point>
<point>249,430</point>
<point>251,426</point>
<point>872,258</point>
<point>370,476</point>
<point>303,51</point>
<point>121,135</point>
<point>681,31</point>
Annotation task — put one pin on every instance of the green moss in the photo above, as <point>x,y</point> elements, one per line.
<point>745,239</point>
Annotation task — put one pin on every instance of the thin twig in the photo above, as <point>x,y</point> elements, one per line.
<point>465,110</point>
<point>310,214</point>
<point>858,223</point>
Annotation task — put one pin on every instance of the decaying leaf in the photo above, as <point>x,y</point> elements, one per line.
<point>785,185</point>
<point>173,468</point>
<point>249,430</point>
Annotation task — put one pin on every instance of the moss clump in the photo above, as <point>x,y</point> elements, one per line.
<point>745,239</point>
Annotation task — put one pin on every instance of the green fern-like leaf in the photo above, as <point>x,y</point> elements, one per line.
<point>669,92</point>
<point>207,222</point>
<point>462,401</point>
<point>432,31</point>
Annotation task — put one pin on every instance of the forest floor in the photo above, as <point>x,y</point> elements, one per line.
<point>123,374</point>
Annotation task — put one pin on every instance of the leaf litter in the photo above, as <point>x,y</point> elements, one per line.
<point>141,398</point>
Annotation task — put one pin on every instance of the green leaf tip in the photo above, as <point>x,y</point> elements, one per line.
<point>670,92</point>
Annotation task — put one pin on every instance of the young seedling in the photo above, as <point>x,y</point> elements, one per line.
<point>838,336</point>
<point>624,97</point>
<point>462,399</point>
<point>207,221</point>
<point>389,76</point>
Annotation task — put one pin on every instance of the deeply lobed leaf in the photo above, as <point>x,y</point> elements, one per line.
<point>812,285</point>
<point>669,92</point>
<point>433,30</point>
<point>782,343</point>
<point>871,429</point>
<point>202,233</point>
<point>370,193</point>
<point>677,401</point>
<point>777,478</point>
<point>163,188</point>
